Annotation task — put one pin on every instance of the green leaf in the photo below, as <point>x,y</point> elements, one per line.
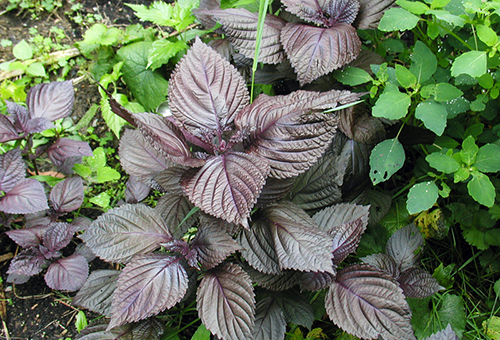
<point>81,321</point>
<point>22,50</point>
<point>100,34</point>
<point>445,92</point>
<point>469,151</point>
<point>405,77</point>
<point>202,333</point>
<point>392,105</point>
<point>439,3</point>
<point>148,87</point>
<point>481,189</point>
<point>107,174</point>
<point>352,76</point>
<point>82,170</point>
<point>386,158</point>
<point>454,20</point>
<point>36,70</point>
<point>433,317</point>
<point>162,51</point>
<point>492,327</point>
<point>486,35</point>
<point>433,114</point>
<point>98,160</point>
<point>397,19</point>
<point>472,63</point>
<point>445,192</point>
<point>442,162</point>
<point>457,106</point>
<point>414,7</point>
<point>461,175</point>
<point>102,200</point>
<point>422,196</point>
<point>159,13</point>
<point>423,62</point>
<point>113,121</point>
<point>488,158</point>
<point>495,212</point>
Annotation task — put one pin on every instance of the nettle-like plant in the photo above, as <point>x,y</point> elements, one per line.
<point>236,162</point>
<point>325,41</point>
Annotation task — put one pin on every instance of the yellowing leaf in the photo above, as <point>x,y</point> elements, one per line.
<point>431,224</point>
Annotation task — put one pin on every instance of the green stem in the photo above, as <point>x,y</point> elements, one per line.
<point>260,28</point>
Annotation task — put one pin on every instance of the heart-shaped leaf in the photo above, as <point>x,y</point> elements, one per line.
<point>67,195</point>
<point>69,273</point>
<point>26,197</point>
<point>51,101</point>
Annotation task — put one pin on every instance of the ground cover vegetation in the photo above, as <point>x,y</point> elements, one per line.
<point>268,170</point>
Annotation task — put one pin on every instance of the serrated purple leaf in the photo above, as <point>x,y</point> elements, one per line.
<point>212,245</point>
<point>383,262</point>
<point>99,332</point>
<point>226,303</point>
<point>85,251</point>
<point>286,279</point>
<point>417,283</point>
<point>369,304</point>
<point>26,197</point>
<point>120,233</point>
<point>174,208</point>
<point>17,279</point>
<point>37,219</point>
<point>270,321</point>
<point>69,273</point>
<point>296,308</point>
<point>67,195</point>
<point>139,158</point>
<point>370,13</point>
<point>38,125</point>
<point>28,237</point>
<point>11,169</point>
<point>405,246</point>
<point>149,284</point>
<point>380,203</point>
<point>214,222</point>
<point>316,51</point>
<point>51,101</point>
<point>314,281</point>
<point>357,124</point>
<point>227,186</point>
<point>81,223</point>
<point>136,191</point>
<point>97,292</point>
<point>324,12</point>
<point>445,334</point>
<point>170,179</point>
<point>65,148</point>
<point>8,131</point>
<point>206,92</point>
<point>28,262</point>
<point>274,190</point>
<point>58,236</point>
<point>166,138</point>
<point>150,329</point>
<point>23,122</point>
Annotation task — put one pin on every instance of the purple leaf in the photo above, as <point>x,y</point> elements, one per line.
<point>369,304</point>
<point>206,92</point>
<point>174,208</point>
<point>316,51</point>
<point>274,190</point>
<point>370,13</point>
<point>445,334</point>
<point>226,303</point>
<point>417,283</point>
<point>51,101</point>
<point>17,279</point>
<point>28,262</point>
<point>383,262</point>
<point>23,122</point>
<point>148,285</point>
<point>122,232</point>
<point>11,169</point>
<point>346,223</point>
<point>67,195</point>
<point>150,329</point>
<point>26,197</point>
<point>314,281</point>
<point>296,308</point>
<point>139,158</point>
<point>227,186</point>
<point>212,245</point>
<point>405,246</point>
<point>286,279</point>
<point>324,12</point>
<point>170,179</point>
<point>65,148</point>
<point>166,138</point>
<point>99,332</point>
<point>214,222</point>
<point>380,203</point>
<point>240,26</point>
<point>69,273</point>
<point>39,218</point>
<point>7,130</point>
<point>136,191</point>
<point>81,223</point>
<point>357,124</point>
<point>289,131</point>
<point>58,236</point>
<point>298,243</point>
<point>28,237</point>
<point>85,251</point>
<point>97,292</point>
<point>270,321</point>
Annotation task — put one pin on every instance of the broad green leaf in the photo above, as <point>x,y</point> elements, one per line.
<point>461,175</point>
<point>100,34</point>
<point>469,151</point>
<point>386,158</point>
<point>472,63</point>
<point>202,333</point>
<point>488,158</point>
<point>102,200</point>
<point>454,20</point>
<point>445,92</point>
<point>486,35</point>
<point>423,62</point>
<point>159,13</point>
<point>492,327</point>
<point>433,114</point>
<point>81,321</point>
<point>22,50</point>
<point>439,3</point>
<point>397,19</point>
<point>456,106</point>
<point>415,7</point>
<point>148,87</point>
<point>392,105</point>
<point>352,76</point>
<point>36,70</point>
<point>442,162</point>
<point>432,317</point>
<point>495,212</point>
<point>481,189</point>
<point>82,170</point>
<point>107,174</point>
<point>486,81</point>
<point>98,160</point>
<point>405,77</point>
<point>162,51</point>
<point>422,196</point>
